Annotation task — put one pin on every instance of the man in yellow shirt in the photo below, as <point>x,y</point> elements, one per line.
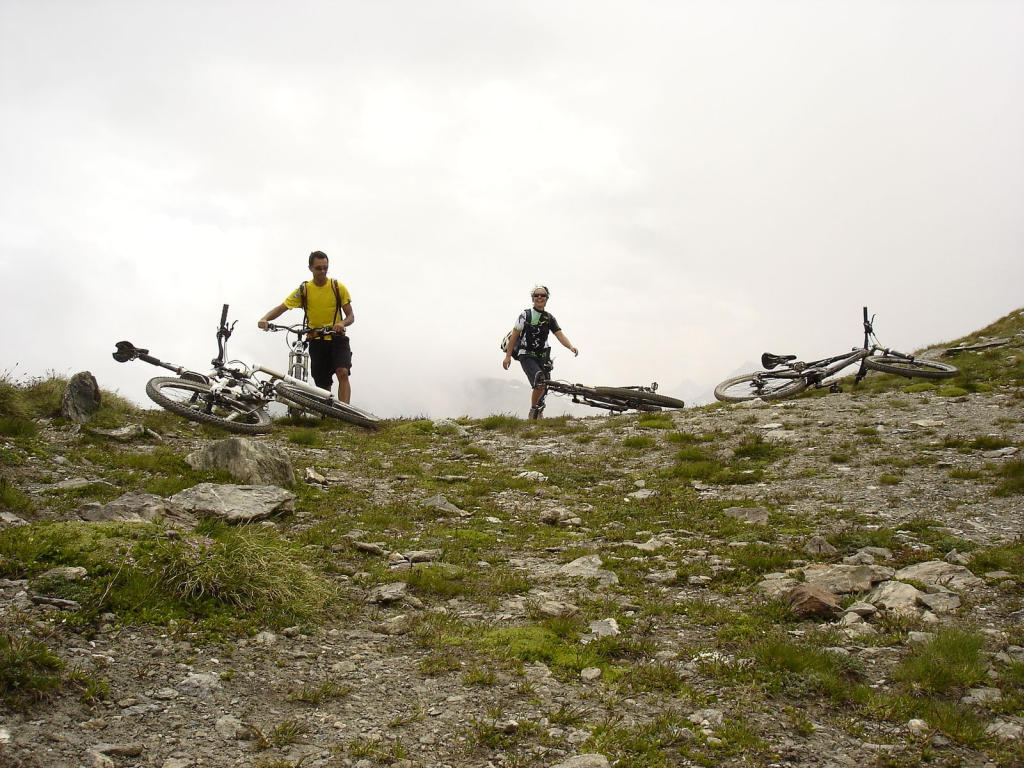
<point>326,303</point>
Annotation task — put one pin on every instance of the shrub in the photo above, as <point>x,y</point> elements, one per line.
<point>29,671</point>
<point>249,568</point>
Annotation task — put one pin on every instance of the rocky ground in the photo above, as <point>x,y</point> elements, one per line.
<point>371,687</point>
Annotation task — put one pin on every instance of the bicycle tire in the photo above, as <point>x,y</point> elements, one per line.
<point>194,400</point>
<point>335,409</point>
<point>639,396</point>
<point>926,369</point>
<point>739,389</point>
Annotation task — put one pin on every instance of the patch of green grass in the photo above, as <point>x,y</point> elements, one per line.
<point>479,674</point>
<point>29,671</point>
<point>503,423</point>
<point>988,443</point>
<point>250,568</point>
<point>228,577</point>
<point>804,670</point>
<point>951,661</point>
<point>448,580</point>
<point>758,559</point>
<point>966,474</point>
<point>1008,558</point>
<point>381,752</point>
<point>15,426</point>
<point>756,448</point>
<point>689,438</point>
<point>888,479</point>
<point>12,497</point>
<point>553,643</point>
<point>655,421</point>
<point>654,677</point>
<point>661,742</point>
<point>308,438</point>
<point>1013,479</point>
<point>41,397</point>
<point>317,693</point>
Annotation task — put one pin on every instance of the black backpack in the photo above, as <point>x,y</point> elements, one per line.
<point>519,341</point>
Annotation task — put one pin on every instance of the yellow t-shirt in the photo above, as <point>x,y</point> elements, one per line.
<point>321,303</point>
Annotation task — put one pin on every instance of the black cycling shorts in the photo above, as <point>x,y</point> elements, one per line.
<point>326,356</point>
<point>533,367</point>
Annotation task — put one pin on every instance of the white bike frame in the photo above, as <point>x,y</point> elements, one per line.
<point>297,383</point>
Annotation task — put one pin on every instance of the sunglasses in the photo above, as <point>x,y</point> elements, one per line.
<point>540,295</point>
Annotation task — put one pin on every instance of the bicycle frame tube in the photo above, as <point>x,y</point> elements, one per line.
<point>298,383</point>
<point>819,370</point>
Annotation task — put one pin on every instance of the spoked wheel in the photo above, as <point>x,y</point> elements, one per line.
<point>194,400</point>
<point>901,366</point>
<point>761,384</point>
<point>333,408</point>
<point>639,399</point>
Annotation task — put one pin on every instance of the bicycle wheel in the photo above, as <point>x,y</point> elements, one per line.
<point>639,397</point>
<point>333,408</point>
<point>927,369</point>
<point>761,384</point>
<point>194,400</point>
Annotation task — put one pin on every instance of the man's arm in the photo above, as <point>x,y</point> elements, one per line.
<point>560,335</point>
<point>273,314</point>
<point>350,317</point>
<point>509,347</point>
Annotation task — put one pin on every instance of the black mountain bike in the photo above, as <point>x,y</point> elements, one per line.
<point>785,376</point>
<point>640,398</point>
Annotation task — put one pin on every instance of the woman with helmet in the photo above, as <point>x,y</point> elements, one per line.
<point>528,344</point>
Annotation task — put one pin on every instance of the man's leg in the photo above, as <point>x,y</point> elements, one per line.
<point>344,387</point>
<point>320,364</point>
<point>343,367</point>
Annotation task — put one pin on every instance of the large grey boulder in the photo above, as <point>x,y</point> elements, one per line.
<point>940,573</point>
<point>246,461</point>
<point>81,398</point>
<point>846,579</point>
<point>235,503</point>
<point>137,507</point>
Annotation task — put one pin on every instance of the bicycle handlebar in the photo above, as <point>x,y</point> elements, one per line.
<point>300,330</point>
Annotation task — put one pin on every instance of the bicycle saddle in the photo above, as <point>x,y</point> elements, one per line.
<point>769,361</point>
<point>127,351</point>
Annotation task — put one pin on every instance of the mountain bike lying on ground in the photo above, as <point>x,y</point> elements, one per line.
<point>786,376</point>
<point>640,398</point>
<point>235,396</point>
<point>617,399</point>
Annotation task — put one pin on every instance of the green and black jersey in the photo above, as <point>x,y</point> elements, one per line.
<point>534,327</point>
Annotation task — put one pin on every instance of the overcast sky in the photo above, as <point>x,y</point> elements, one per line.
<point>696,182</point>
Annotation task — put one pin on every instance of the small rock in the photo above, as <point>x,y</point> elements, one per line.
<point>918,727</point>
<point>584,761</point>
<point>810,600</point>
<point>753,515</point>
<point>819,545</point>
